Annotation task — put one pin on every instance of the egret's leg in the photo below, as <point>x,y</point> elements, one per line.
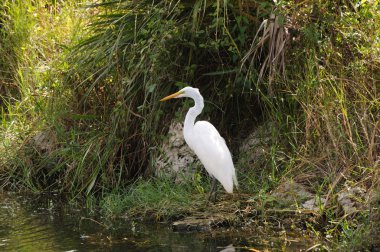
<point>212,195</point>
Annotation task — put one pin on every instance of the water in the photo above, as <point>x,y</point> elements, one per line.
<point>43,224</point>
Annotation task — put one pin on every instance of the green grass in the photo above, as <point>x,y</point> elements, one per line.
<point>35,39</point>
<point>158,198</point>
<point>363,233</point>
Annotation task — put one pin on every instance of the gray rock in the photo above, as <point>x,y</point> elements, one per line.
<point>290,192</point>
<point>313,204</point>
<point>204,223</point>
<point>176,159</point>
<point>255,146</point>
<point>44,141</point>
<point>351,199</point>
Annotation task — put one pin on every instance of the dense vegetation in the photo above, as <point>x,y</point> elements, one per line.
<point>80,84</point>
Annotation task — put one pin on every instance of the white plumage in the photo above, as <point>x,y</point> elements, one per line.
<point>204,139</point>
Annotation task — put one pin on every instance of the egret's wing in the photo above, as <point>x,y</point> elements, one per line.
<point>213,152</point>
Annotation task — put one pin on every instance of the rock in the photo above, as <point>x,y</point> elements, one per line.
<point>290,192</point>
<point>313,204</point>
<point>44,141</point>
<point>256,145</point>
<point>203,223</point>
<point>192,225</point>
<point>254,150</point>
<point>229,248</point>
<point>177,159</point>
<point>351,199</point>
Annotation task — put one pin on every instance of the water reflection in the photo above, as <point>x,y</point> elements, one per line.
<point>40,224</point>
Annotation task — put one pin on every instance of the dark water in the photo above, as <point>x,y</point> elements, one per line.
<point>42,224</point>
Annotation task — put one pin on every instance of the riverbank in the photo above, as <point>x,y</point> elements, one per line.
<point>281,213</point>
<point>30,222</point>
<point>236,221</point>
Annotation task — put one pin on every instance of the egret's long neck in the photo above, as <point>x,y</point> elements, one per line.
<point>193,112</point>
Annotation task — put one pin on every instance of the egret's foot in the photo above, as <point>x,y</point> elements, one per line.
<point>212,195</point>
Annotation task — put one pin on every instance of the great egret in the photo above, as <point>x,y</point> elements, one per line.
<point>204,139</point>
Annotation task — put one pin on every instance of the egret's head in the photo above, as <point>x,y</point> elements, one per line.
<point>184,92</point>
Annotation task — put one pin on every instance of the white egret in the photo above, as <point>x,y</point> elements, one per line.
<point>204,139</point>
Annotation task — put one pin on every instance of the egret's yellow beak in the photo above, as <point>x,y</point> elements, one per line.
<point>172,96</point>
